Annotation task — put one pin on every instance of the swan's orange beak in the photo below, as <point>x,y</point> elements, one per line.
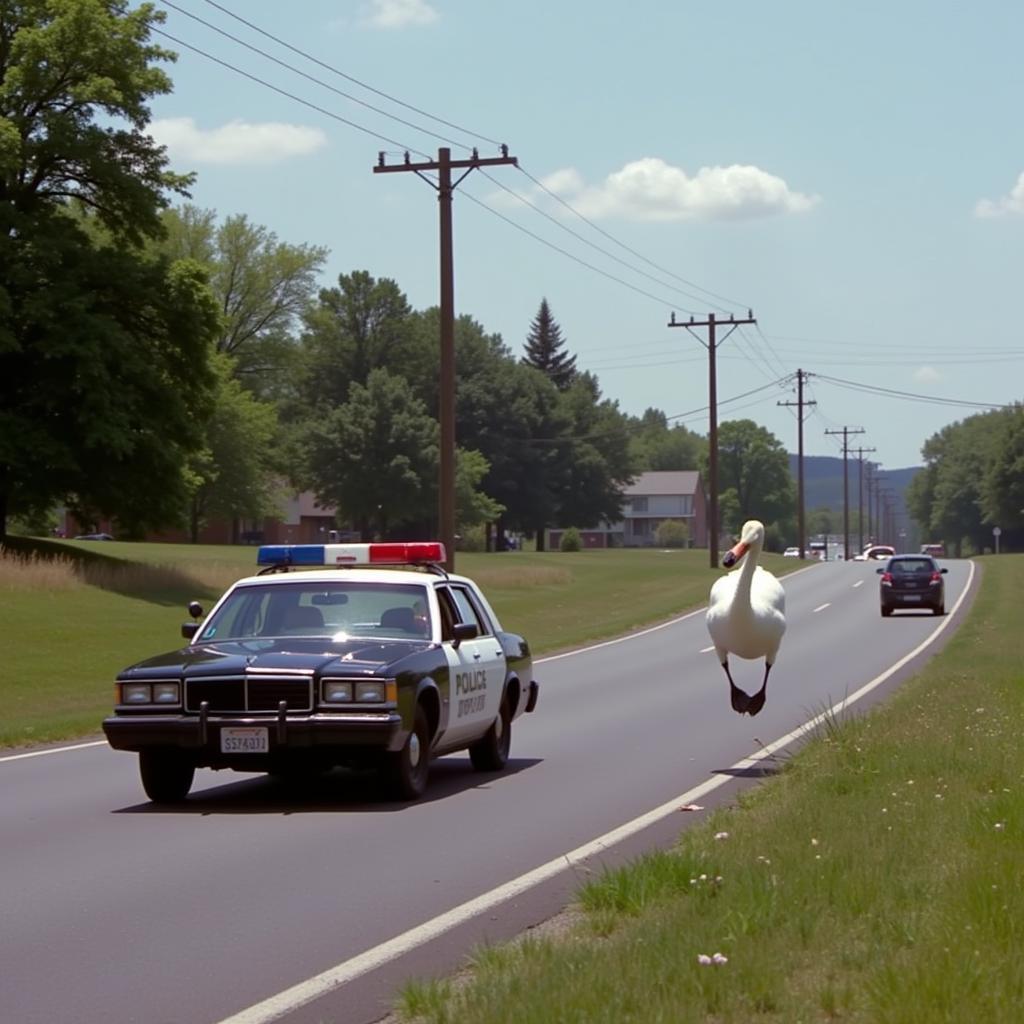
<point>734,554</point>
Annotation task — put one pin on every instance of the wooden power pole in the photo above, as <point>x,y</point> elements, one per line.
<point>800,403</point>
<point>444,165</point>
<point>860,497</point>
<point>711,345</point>
<point>846,431</point>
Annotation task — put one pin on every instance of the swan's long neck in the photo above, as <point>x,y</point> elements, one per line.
<point>747,569</point>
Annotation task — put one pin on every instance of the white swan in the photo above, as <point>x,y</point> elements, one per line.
<point>747,614</point>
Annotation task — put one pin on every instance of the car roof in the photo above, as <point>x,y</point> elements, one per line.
<point>346,574</point>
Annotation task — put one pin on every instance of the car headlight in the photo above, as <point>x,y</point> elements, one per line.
<point>337,691</point>
<point>166,693</point>
<point>371,691</point>
<point>136,693</point>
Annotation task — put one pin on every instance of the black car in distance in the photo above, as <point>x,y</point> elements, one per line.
<point>912,581</point>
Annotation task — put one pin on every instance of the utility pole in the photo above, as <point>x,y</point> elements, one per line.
<point>860,497</point>
<point>444,165</point>
<point>846,431</point>
<point>711,345</point>
<point>800,403</point>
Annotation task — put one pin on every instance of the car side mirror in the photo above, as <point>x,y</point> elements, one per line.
<point>943,569</point>
<point>464,631</point>
<point>879,571</point>
<point>189,630</point>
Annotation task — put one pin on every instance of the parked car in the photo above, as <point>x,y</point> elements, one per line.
<point>912,581</point>
<point>935,550</point>
<point>791,553</point>
<point>374,657</point>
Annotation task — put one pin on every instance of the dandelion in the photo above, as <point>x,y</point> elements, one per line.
<point>814,842</point>
<point>1000,825</point>
<point>721,835</point>
<point>718,958</point>
<point>703,959</point>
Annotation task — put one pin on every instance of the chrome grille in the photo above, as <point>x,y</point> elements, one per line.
<point>235,695</point>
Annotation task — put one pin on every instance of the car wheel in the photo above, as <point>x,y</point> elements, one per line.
<point>886,612</point>
<point>490,754</point>
<point>166,776</point>
<point>939,609</point>
<point>406,771</point>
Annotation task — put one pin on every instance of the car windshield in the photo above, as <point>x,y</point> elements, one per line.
<point>339,610</point>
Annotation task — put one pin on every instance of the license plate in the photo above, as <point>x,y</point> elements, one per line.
<point>244,740</point>
<point>911,597</point>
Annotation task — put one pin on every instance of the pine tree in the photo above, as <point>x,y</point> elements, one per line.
<point>545,349</point>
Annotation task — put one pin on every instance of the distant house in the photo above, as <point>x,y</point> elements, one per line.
<point>649,500</point>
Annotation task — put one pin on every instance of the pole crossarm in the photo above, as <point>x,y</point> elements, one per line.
<point>711,345</point>
<point>444,165</point>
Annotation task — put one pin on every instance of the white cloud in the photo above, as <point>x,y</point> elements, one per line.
<point>649,189</point>
<point>927,375</point>
<point>1012,203</point>
<point>237,142</point>
<point>398,13</point>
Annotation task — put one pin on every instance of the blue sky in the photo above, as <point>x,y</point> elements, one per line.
<point>852,173</point>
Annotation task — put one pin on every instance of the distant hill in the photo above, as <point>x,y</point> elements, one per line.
<point>823,482</point>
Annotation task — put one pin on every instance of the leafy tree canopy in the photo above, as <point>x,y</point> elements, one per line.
<point>103,351</point>
<point>754,466</point>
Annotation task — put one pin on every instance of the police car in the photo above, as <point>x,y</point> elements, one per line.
<point>333,654</point>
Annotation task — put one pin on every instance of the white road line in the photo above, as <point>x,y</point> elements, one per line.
<point>321,984</point>
<point>704,650</point>
<point>859,583</point>
<point>53,750</point>
<point>822,607</point>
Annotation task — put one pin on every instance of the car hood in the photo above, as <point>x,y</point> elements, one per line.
<point>235,657</point>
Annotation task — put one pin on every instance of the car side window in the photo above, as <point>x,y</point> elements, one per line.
<point>468,611</point>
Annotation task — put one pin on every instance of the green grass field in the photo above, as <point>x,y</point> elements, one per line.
<point>876,879</point>
<point>80,611</point>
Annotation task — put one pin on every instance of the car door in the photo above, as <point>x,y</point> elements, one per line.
<point>476,667</point>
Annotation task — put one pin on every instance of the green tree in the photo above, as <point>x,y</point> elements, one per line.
<point>596,461</point>
<point>657,446</point>
<point>361,325</point>
<point>754,466</point>
<point>374,457</point>
<point>1002,488</point>
<point>545,349</point>
<point>264,287</point>
<point>103,350</point>
<point>233,475</point>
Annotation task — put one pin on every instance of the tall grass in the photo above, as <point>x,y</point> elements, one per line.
<point>875,878</point>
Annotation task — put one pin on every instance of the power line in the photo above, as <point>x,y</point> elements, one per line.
<point>892,393</point>
<point>312,78</point>
<point>350,78</point>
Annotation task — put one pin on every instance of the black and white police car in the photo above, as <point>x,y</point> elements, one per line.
<point>363,663</point>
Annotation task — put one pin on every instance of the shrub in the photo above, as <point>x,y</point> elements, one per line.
<point>571,540</point>
<point>471,538</point>
<point>672,533</point>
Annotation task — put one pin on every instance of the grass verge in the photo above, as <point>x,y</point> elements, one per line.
<point>876,879</point>
<point>75,613</point>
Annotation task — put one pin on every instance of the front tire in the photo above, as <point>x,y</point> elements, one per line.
<point>407,771</point>
<point>886,612</point>
<point>939,609</point>
<point>166,776</point>
<point>490,754</point>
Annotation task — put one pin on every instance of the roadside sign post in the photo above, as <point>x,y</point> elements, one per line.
<point>997,533</point>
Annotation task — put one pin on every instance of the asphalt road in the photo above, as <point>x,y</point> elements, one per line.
<point>253,902</point>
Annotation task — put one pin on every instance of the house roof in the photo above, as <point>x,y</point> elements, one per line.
<point>684,481</point>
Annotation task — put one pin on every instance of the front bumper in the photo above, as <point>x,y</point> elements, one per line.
<point>380,729</point>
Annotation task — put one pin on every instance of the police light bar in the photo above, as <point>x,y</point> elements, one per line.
<point>400,553</point>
